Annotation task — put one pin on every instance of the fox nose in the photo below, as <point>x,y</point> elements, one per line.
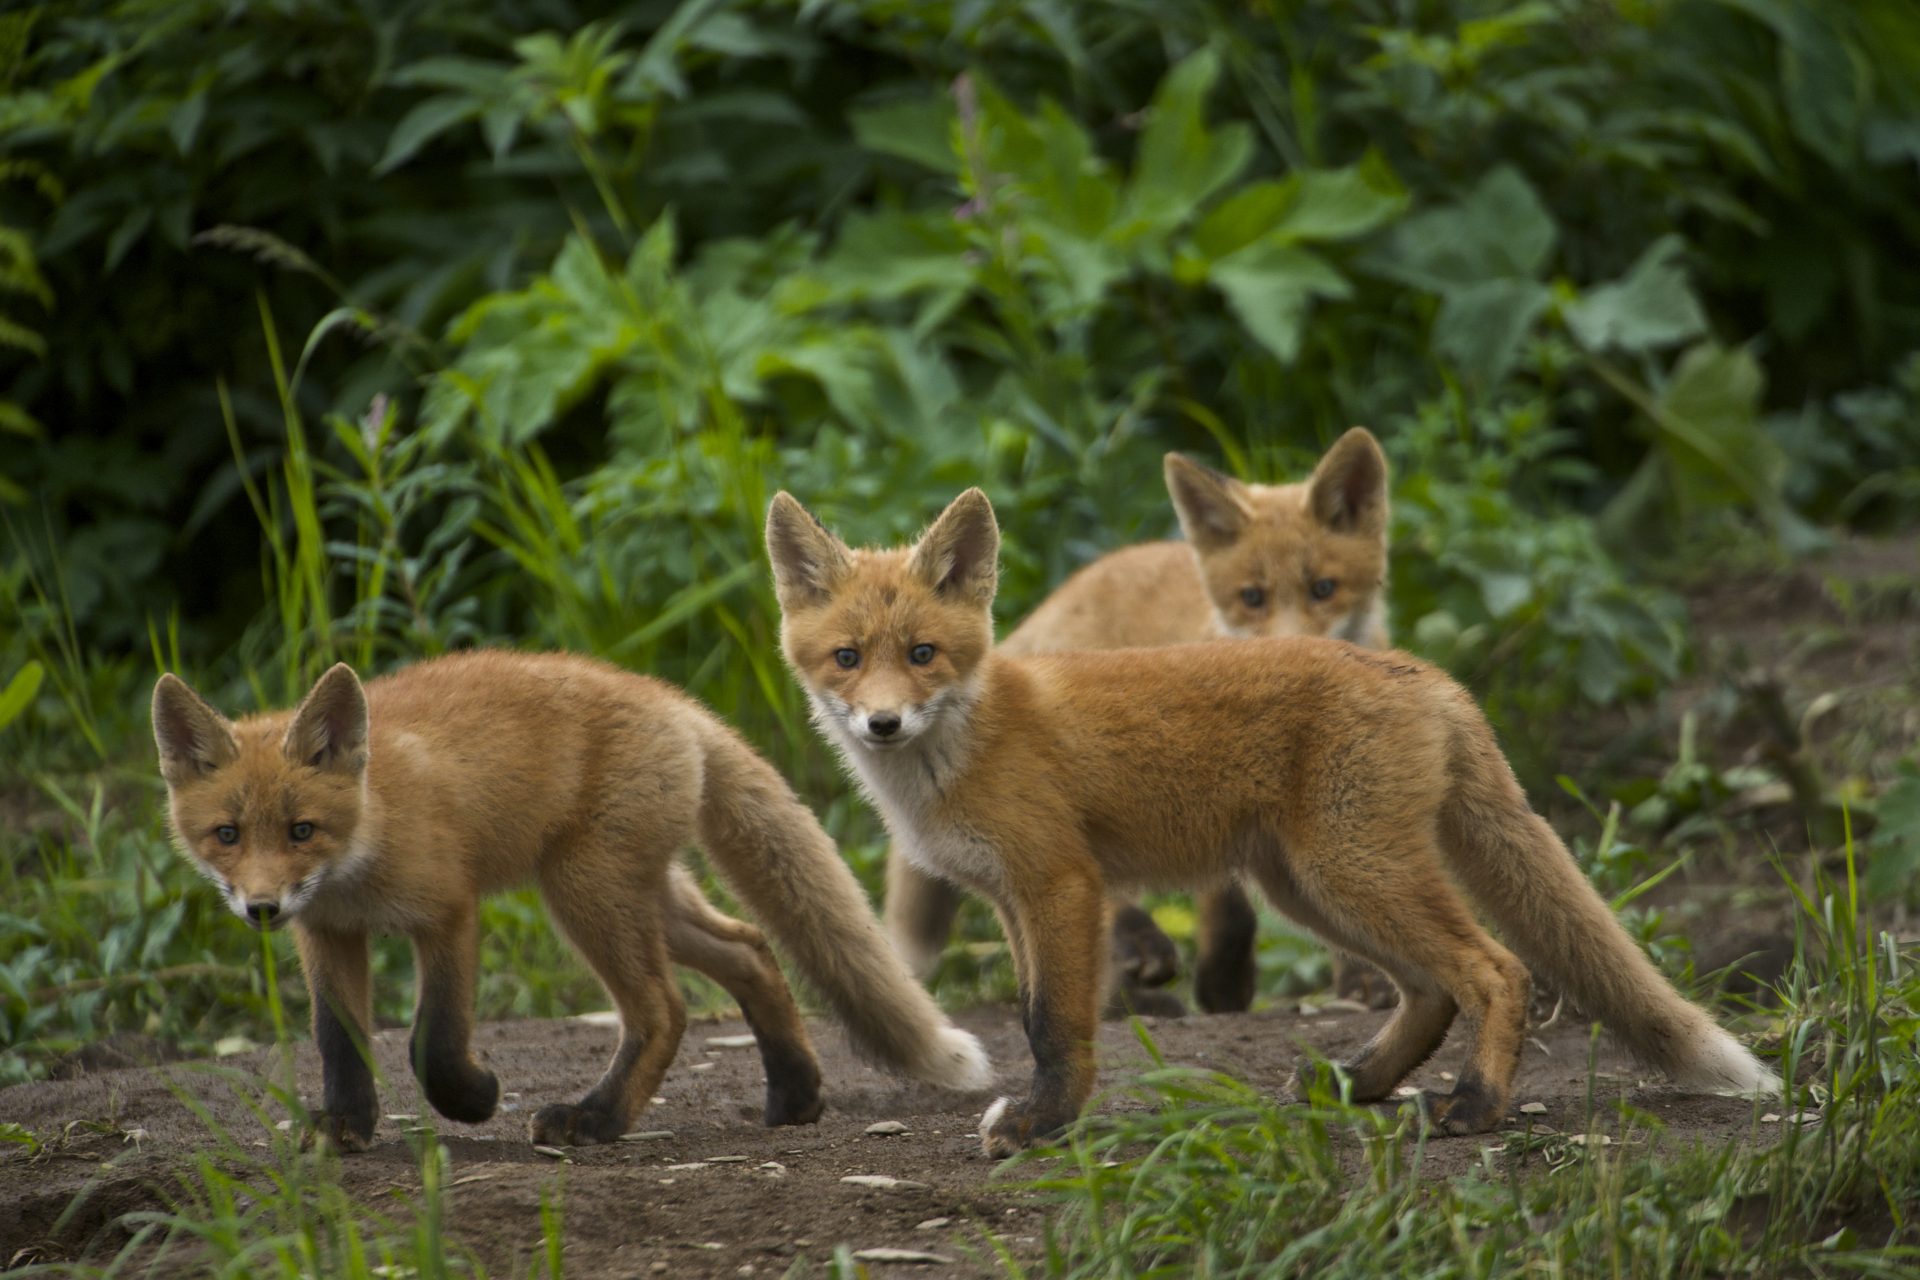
<point>263,912</point>
<point>884,724</point>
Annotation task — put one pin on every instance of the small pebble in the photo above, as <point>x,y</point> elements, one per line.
<point>881,1182</point>
<point>647,1135</point>
<point>886,1128</point>
<point>730,1042</point>
<point>726,1159</point>
<point>553,1152</point>
<point>402,1117</point>
<point>1533,1108</point>
<point>701,1066</point>
<point>901,1255</point>
<point>931,1224</point>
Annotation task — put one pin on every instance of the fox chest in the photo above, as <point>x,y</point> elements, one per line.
<point>946,850</point>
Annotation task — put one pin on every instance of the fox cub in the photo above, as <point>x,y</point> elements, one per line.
<point>1259,560</point>
<point>1362,791</point>
<point>396,807</point>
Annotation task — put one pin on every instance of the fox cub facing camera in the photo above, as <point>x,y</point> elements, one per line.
<point>395,807</point>
<point>1308,558</point>
<point>1362,791</point>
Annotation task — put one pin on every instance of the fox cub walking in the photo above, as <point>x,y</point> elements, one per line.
<point>396,807</point>
<point>1356,788</point>
<point>1259,560</point>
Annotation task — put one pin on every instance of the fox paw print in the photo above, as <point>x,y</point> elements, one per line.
<point>342,1133</point>
<point>562,1124</point>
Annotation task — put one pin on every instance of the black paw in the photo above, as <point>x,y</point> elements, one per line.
<point>1360,982</point>
<point>1144,956</point>
<point>340,1132</point>
<point>1128,1001</point>
<point>563,1124</point>
<point>1470,1108</point>
<point>1224,973</point>
<point>461,1091</point>
<point>1009,1127</point>
<point>794,1100</point>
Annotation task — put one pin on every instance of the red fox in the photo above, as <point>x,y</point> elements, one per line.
<point>1259,560</point>
<point>1362,791</point>
<point>396,807</point>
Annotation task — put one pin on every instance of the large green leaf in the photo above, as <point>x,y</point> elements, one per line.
<point>1651,306</point>
<point>1270,286</point>
<point>427,121</point>
<point>1480,326</point>
<point>1182,162</point>
<point>918,129</point>
<point>1499,229</point>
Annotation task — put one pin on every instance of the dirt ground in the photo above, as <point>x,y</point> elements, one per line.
<point>717,1194</point>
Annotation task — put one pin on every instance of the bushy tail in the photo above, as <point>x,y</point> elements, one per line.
<point>773,855</point>
<point>1524,879</point>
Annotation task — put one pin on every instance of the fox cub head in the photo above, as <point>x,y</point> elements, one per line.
<point>885,642</point>
<point>1292,559</point>
<point>266,808</point>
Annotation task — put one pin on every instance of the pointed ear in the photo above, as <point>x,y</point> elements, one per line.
<point>959,554</point>
<point>329,729</point>
<point>1212,510</point>
<point>807,560</point>
<point>193,738</point>
<point>1348,491</point>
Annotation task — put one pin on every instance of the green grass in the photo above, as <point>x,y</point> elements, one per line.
<point>1217,1179</point>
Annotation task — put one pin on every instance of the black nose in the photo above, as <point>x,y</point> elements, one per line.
<point>263,912</point>
<point>884,723</point>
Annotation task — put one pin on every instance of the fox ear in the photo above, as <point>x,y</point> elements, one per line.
<point>1348,491</point>
<point>329,729</point>
<point>959,554</point>
<point>193,738</point>
<point>807,560</point>
<point>1210,506</point>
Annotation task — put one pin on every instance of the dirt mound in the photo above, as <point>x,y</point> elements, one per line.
<point>717,1195</point>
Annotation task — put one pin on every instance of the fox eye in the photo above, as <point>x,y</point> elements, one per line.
<point>847,658</point>
<point>301,830</point>
<point>228,834</point>
<point>1253,597</point>
<point>920,655</point>
<point>1323,587</point>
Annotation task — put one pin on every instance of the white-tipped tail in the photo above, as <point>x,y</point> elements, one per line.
<point>772,853</point>
<point>1516,868</point>
<point>1724,1065</point>
<point>961,1062</point>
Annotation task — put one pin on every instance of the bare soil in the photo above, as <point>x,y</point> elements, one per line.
<point>722,1195</point>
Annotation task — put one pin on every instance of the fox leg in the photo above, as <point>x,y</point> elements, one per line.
<point>1223,972</point>
<point>1355,979</point>
<point>918,913</point>
<point>736,955</point>
<point>1058,927</point>
<point>1143,960</point>
<point>620,935</point>
<point>335,967</point>
<point>1400,912</point>
<point>441,1044</point>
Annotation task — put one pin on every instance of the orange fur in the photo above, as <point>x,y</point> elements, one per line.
<point>1269,544</point>
<point>1363,791</point>
<point>396,807</point>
